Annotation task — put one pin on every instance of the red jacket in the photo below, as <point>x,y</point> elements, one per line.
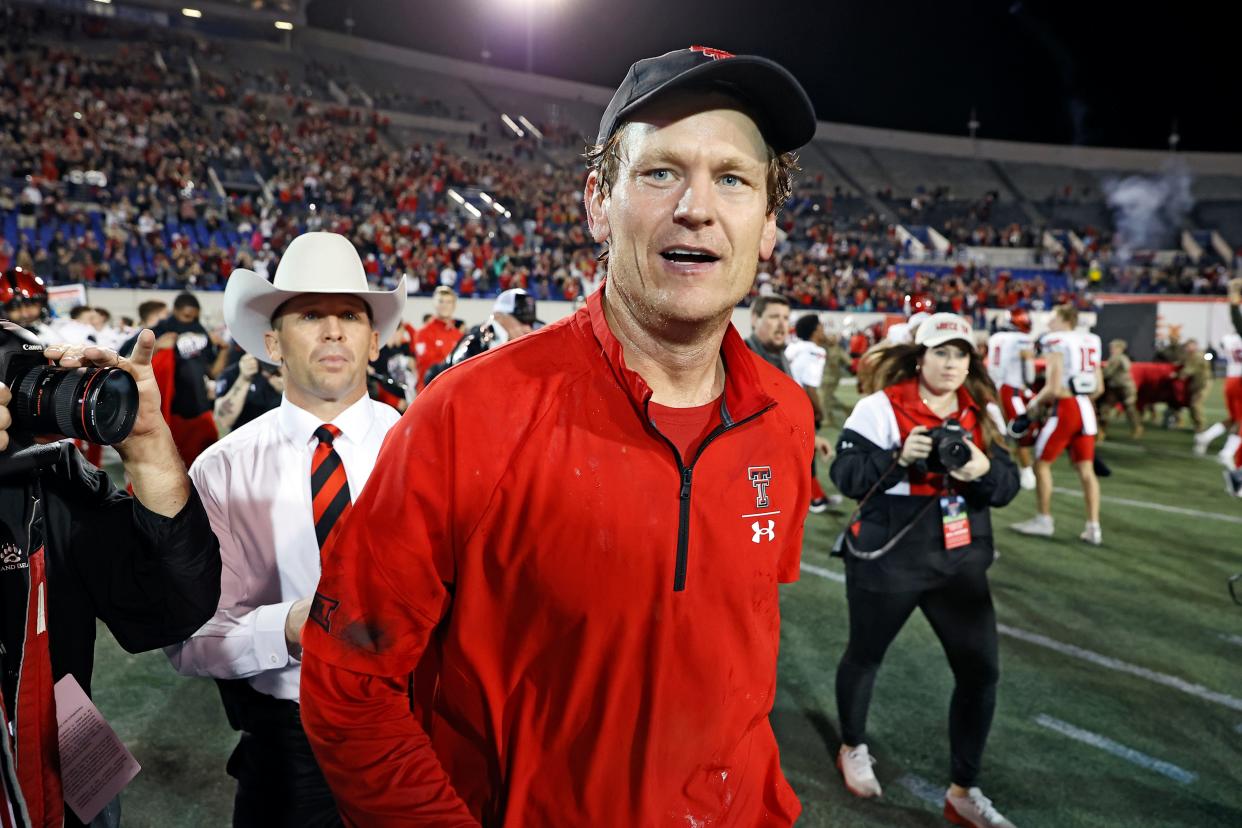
<point>432,345</point>
<point>603,624</point>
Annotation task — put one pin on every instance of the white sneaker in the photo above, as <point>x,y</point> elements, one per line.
<point>974,811</point>
<point>1041,525</point>
<point>1026,478</point>
<point>1201,446</point>
<point>855,766</point>
<point>1092,534</point>
<point>1225,459</point>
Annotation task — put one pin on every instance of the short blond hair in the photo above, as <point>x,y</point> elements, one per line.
<point>444,290</point>
<point>1068,314</point>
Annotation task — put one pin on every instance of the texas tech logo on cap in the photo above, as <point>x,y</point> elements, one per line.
<point>714,54</point>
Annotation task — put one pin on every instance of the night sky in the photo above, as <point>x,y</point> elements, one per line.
<point>1099,74</point>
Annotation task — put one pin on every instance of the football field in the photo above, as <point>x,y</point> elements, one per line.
<point>1120,701</point>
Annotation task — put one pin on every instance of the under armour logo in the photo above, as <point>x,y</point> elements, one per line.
<point>760,478</point>
<point>714,54</point>
<point>768,531</point>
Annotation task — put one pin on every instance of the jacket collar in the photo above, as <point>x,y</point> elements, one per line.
<point>743,393</point>
<point>905,395</point>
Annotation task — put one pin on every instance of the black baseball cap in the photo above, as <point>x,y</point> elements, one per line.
<point>784,113</point>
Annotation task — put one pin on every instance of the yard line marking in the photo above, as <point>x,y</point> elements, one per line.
<point>823,573</point>
<point>1197,690</point>
<point>1232,639</point>
<point>1116,749</point>
<point>1157,507</point>
<point>1120,666</point>
<point>922,789</point>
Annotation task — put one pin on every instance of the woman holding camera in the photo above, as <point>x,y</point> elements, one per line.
<point>925,458</point>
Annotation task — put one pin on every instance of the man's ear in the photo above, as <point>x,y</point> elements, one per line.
<point>767,239</point>
<point>272,342</point>
<point>373,353</point>
<point>596,208</point>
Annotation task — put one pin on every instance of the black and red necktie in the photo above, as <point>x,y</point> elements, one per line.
<point>329,486</point>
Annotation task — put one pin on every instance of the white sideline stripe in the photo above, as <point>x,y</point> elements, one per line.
<point>1120,666</point>
<point>823,573</point>
<point>1197,690</point>
<point>1158,507</point>
<point>1116,749</point>
<point>921,788</point>
<point>1237,728</point>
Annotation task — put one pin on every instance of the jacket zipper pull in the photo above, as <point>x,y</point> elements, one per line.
<point>685,483</point>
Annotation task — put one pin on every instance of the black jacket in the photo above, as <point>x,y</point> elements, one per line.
<point>152,580</point>
<point>919,560</point>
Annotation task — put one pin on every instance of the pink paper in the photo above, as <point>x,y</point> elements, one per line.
<point>94,764</point>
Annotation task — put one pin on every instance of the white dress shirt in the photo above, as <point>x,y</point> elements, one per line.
<point>255,484</point>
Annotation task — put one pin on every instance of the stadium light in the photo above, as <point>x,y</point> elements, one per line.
<point>528,7</point>
<point>192,13</point>
<point>284,25</point>
<point>509,122</point>
<point>105,2</point>
<point>531,127</point>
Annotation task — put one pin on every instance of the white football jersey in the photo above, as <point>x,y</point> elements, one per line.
<point>1005,363</point>
<point>1080,352</point>
<point>806,362</point>
<point>1231,345</point>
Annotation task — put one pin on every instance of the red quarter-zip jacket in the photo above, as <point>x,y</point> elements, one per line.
<point>599,614</point>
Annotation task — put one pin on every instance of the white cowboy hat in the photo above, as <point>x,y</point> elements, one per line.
<point>313,263</point>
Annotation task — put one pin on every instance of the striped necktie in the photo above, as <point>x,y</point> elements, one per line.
<point>330,497</point>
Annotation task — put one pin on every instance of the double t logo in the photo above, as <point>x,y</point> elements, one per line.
<point>760,478</point>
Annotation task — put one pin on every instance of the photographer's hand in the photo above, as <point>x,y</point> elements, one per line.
<point>5,418</point>
<point>152,462</point>
<point>978,465</point>
<point>917,446</point>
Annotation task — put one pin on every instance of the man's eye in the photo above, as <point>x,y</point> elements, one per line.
<point>731,181</point>
<point>660,175</point>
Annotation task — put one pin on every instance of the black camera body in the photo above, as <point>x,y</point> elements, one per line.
<point>98,405</point>
<point>950,450</point>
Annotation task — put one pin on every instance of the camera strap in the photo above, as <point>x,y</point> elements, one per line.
<point>873,554</point>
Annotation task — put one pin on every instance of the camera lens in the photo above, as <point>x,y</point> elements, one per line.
<point>98,405</point>
<point>954,453</point>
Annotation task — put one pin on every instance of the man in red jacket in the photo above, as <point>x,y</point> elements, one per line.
<point>436,339</point>
<point>586,575</point>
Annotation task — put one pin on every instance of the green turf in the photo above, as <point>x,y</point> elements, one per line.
<point>1153,596</point>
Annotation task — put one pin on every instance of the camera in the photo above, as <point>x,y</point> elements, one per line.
<point>949,450</point>
<point>98,405</point>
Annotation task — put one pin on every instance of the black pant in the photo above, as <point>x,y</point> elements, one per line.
<point>279,783</point>
<point>961,614</point>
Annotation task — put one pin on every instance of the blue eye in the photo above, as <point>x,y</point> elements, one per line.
<point>731,180</point>
<point>659,175</point>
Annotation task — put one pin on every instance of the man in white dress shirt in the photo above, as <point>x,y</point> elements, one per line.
<point>274,489</point>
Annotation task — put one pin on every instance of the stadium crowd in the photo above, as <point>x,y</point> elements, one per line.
<point>112,166</point>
